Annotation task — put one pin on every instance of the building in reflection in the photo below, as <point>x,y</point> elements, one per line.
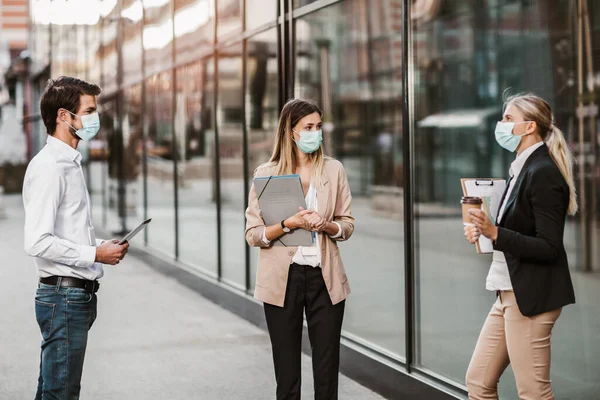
<point>192,92</point>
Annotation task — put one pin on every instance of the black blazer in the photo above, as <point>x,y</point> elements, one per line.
<point>531,236</point>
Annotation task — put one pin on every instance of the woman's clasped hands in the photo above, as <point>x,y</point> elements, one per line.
<point>308,220</point>
<point>315,222</point>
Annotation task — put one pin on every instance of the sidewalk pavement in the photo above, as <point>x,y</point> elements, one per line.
<point>153,338</point>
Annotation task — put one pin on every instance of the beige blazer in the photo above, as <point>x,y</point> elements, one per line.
<point>333,200</point>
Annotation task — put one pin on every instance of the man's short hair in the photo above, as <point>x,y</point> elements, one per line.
<point>64,92</point>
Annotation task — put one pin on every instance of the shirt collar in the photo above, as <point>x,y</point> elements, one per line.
<point>517,165</point>
<point>64,149</point>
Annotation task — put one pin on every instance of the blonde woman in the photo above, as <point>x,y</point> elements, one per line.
<point>291,280</point>
<point>529,271</point>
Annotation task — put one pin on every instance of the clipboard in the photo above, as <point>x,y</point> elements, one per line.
<point>490,190</point>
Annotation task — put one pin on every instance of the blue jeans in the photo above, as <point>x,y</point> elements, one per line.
<point>65,315</point>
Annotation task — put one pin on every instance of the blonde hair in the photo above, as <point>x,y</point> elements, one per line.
<point>534,108</point>
<point>284,155</point>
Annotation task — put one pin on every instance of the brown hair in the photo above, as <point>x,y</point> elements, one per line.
<point>284,155</point>
<point>64,92</point>
<point>534,108</point>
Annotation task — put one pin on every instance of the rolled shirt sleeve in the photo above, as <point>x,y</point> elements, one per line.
<point>339,232</point>
<point>264,237</point>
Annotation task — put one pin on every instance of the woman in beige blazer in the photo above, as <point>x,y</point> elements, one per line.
<point>291,280</point>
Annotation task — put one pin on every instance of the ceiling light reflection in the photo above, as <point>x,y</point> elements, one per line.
<point>192,17</point>
<point>158,36</point>
<point>71,12</point>
<point>154,3</point>
<point>134,12</point>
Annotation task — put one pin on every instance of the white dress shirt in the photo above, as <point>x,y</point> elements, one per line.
<point>308,255</point>
<point>58,217</point>
<point>498,277</point>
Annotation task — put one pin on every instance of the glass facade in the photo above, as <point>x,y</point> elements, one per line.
<point>192,93</point>
<point>351,70</point>
<point>465,57</point>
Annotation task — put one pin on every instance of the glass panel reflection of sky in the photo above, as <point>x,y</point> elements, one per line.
<point>71,12</point>
<point>194,29</point>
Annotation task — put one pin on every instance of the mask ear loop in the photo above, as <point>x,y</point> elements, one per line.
<point>73,130</point>
<point>525,134</point>
<point>63,120</point>
<point>70,126</point>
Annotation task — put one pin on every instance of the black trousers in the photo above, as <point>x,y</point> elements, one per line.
<point>306,291</point>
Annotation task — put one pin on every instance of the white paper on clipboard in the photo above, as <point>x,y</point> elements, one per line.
<point>490,190</point>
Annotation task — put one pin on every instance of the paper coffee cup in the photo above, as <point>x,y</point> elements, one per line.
<point>468,203</point>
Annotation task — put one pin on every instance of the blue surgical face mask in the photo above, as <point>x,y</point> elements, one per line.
<point>505,137</point>
<point>90,123</point>
<point>310,141</point>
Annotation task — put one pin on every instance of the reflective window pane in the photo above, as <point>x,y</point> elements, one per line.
<point>262,111</point>
<point>94,60</point>
<point>230,17</point>
<point>115,169</point>
<point>132,158</point>
<point>102,175</point>
<point>98,148</point>
<point>132,42</point>
<point>361,100</point>
<point>96,182</point>
<point>160,150</point>
<point>300,3</point>
<point>194,29</point>
<point>257,16</point>
<point>108,52</point>
<point>230,120</point>
<point>157,35</point>
<point>466,55</point>
<point>198,239</point>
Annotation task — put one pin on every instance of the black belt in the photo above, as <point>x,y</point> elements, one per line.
<point>89,286</point>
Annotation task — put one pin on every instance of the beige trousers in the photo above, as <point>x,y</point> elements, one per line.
<point>508,337</point>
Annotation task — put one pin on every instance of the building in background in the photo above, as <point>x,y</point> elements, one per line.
<point>14,22</point>
<point>192,92</point>
<point>14,31</point>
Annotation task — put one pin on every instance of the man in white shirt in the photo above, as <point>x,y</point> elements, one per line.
<point>59,234</point>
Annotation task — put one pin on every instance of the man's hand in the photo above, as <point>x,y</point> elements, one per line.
<point>111,252</point>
